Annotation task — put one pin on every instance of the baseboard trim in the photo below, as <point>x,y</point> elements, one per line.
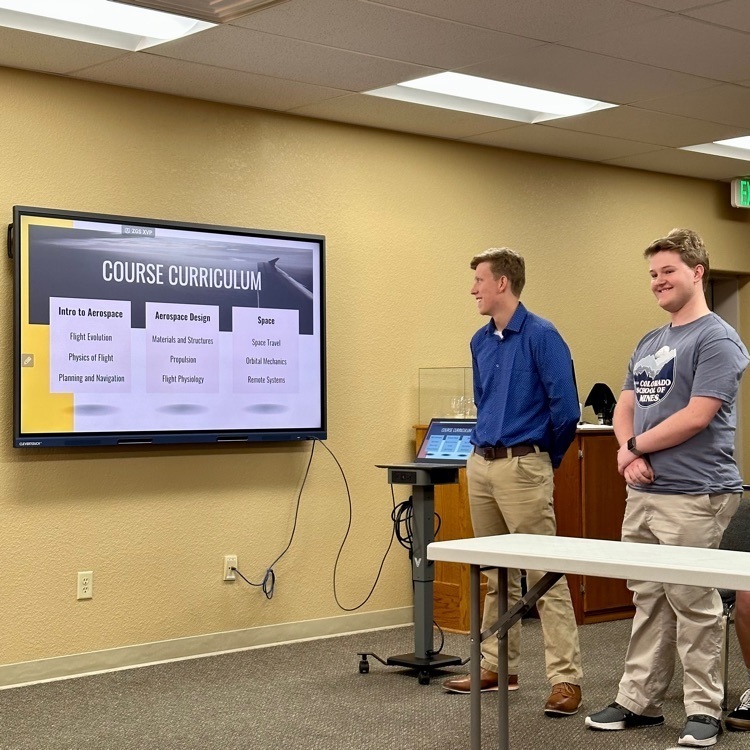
<point>194,647</point>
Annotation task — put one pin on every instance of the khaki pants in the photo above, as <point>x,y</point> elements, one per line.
<point>671,617</point>
<point>514,496</point>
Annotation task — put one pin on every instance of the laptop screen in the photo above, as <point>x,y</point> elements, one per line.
<point>447,440</point>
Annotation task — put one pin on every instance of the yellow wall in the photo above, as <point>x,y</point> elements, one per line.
<point>402,215</point>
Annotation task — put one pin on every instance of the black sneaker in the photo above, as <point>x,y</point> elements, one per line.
<point>615,717</point>
<point>739,719</point>
<point>700,731</point>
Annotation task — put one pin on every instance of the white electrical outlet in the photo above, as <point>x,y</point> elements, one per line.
<point>230,561</point>
<point>85,588</point>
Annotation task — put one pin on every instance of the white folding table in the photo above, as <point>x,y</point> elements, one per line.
<point>558,555</point>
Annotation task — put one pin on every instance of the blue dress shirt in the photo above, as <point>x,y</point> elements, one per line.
<point>524,387</point>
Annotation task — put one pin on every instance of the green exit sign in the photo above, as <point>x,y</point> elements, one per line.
<point>741,192</point>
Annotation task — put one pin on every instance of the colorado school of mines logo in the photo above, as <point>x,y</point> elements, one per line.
<point>653,376</point>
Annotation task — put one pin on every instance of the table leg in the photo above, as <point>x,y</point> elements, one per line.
<point>476,658</point>
<point>502,662</point>
<point>506,619</point>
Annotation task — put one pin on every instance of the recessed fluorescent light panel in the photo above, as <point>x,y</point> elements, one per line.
<point>213,11</point>
<point>481,96</point>
<point>111,24</point>
<point>732,148</point>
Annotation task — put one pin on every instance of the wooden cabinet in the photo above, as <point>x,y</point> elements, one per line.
<point>451,585</point>
<point>589,503</point>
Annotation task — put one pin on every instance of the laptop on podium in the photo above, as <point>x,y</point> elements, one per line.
<point>446,444</point>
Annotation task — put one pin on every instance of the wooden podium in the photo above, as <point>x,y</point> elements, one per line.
<point>589,504</point>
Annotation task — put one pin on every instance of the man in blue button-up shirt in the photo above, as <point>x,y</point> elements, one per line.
<point>527,411</point>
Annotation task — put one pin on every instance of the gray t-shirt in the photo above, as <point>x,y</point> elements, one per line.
<point>672,364</point>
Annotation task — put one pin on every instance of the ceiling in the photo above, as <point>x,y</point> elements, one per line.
<point>679,69</point>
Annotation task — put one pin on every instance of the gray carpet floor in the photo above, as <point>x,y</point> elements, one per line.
<point>311,695</point>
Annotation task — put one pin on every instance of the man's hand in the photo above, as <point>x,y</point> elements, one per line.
<point>638,472</point>
<point>624,458</point>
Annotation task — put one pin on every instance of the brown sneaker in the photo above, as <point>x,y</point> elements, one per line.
<point>487,683</point>
<point>564,700</point>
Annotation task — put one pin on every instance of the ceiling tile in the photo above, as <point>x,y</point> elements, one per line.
<point>676,5</point>
<point>726,103</point>
<point>732,13</point>
<point>645,126</point>
<point>265,54</point>
<point>391,114</point>
<point>581,73</point>
<point>677,43</point>
<point>385,32</point>
<point>536,19</point>
<point>153,73</point>
<point>22,49</point>
<point>667,62</point>
<point>567,143</point>
<point>686,163</point>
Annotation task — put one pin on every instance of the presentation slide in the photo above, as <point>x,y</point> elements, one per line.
<point>127,328</point>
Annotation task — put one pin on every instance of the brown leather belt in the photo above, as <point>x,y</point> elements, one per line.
<point>500,451</point>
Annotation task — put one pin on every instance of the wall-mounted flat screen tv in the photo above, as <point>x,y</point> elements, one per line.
<point>138,331</point>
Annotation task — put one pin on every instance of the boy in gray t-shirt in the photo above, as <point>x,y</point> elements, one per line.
<point>675,422</point>
<point>670,366</point>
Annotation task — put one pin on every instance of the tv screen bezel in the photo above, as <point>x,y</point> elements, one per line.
<point>165,437</point>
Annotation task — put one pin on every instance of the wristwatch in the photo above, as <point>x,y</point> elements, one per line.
<point>632,448</point>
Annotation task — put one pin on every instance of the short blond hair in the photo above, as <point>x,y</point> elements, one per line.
<point>504,262</point>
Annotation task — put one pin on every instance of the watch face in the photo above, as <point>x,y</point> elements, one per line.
<point>631,444</point>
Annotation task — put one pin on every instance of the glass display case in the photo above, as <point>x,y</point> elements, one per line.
<point>445,392</point>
